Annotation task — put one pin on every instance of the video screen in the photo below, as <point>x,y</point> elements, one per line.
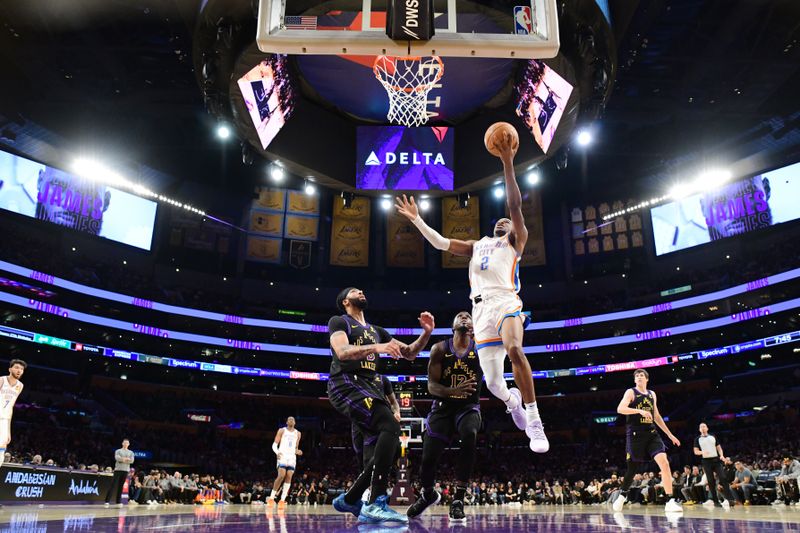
<point>397,158</point>
<point>543,95</point>
<point>268,96</point>
<point>49,194</point>
<point>753,203</point>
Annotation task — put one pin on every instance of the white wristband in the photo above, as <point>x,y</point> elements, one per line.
<point>275,447</point>
<point>432,236</point>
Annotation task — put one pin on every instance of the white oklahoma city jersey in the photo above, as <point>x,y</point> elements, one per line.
<point>288,447</point>
<point>494,266</point>
<point>8,396</point>
<point>494,276</point>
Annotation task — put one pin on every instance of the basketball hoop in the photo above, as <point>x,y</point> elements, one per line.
<point>407,81</point>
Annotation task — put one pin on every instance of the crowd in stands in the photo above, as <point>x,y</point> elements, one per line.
<point>236,466</point>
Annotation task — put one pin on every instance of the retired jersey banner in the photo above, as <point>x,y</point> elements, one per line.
<point>301,203</point>
<point>404,243</point>
<point>533,254</point>
<point>271,200</point>
<point>264,249</point>
<point>463,223</point>
<point>266,223</point>
<point>301,228</point>
<point>350,233</point>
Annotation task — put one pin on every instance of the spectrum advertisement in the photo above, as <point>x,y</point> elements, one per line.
<point>743,206</point>
<point>268,373</point>
<point>46,193</point>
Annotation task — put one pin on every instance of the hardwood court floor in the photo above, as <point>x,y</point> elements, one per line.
<point>245,518</point>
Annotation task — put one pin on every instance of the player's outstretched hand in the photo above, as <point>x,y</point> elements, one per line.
<point>406,207</point>
<point>505,146</point>
<point>427,322</point>
<point>465,388</point>
<point>393,348</point>
<point>674,440</point>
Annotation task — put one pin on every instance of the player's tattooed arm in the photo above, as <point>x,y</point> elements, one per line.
<point>411,351</point>
<point>351,352</point>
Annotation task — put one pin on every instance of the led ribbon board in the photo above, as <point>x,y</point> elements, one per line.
<point>323,328</point>
<point>64,312</point>
<point>733,349</point>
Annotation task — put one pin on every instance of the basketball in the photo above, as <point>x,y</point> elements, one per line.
<point>494,135</point>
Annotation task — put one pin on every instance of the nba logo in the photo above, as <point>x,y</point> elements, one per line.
<point>523,25</point>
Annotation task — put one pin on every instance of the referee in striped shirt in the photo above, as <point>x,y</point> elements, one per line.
<point>707,447</point>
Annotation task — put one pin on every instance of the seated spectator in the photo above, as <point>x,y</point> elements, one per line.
<point>745,483</point>
<point>787,482</point>
<point>692,487</point>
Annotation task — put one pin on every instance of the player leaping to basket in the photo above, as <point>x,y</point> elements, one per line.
<point>497,310</point>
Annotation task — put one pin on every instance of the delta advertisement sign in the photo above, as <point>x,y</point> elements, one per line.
<point>397,158</point>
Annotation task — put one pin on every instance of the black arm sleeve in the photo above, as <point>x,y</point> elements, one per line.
<point>697,443</point>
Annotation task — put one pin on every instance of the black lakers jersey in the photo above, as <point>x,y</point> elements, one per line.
<point>357,335</point>
<point>458,368</point>
<point>643,402</point>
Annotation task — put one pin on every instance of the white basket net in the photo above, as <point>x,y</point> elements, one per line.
<point>407,81</point>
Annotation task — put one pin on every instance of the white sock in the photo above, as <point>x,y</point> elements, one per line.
<point>2,456</point>
<point>272,495</point>
<point>533,412</point>
<point>284,492</point>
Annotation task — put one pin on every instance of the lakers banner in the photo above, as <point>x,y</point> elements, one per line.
<point>350,233</point>
<point>271,199</point>
<point>264,249</point>
<point>462,223</point>
<point>404,243</point>
<point>265,223</point>
<point>533,254</point>
<point>301,228</point>
<point>302,204</point>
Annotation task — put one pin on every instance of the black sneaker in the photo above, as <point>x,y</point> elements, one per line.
<point>421,504</point>
<point>457,511</point>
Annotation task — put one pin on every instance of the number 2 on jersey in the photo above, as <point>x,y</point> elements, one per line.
<point>485,262</point>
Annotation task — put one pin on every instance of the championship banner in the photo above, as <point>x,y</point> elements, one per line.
<point>534,253</point>
<point>263,249</point>
<point>19,483</point>
<point>299,254</point>
<point>301,203</point>
<point>404,243</point>
<point>462,223</point>
<point>350,233</point>
<point>302,228</point>
<point>266,223</point>
<point>271,200</point>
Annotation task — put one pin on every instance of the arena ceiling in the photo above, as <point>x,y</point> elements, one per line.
<point>695,78</point>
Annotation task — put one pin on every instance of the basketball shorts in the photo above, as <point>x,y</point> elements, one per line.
<point>641,445</point>
<point>444,418</point>
<point>5,432</point>
<point>355,397</point>
<point>288,465</point>
<point>489,316</point>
